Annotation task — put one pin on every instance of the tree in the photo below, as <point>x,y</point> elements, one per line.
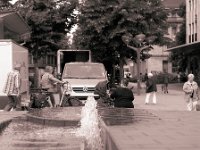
<point>50,21</point>
<point>5,5</point>
<point>102,24</point>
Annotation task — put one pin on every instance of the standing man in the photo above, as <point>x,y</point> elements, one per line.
<point>151,89</point>
<point>12,89</point>
<point>191,90</point>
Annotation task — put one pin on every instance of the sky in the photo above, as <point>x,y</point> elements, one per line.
<point>13,1</point>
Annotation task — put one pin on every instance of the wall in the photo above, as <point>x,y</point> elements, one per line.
<point>155,63</point>
<point>20,56</point>
<point>5,63</point>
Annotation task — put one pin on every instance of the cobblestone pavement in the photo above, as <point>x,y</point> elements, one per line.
<point>6,116</point>
<point>172,101</point>
<point>174,129</point>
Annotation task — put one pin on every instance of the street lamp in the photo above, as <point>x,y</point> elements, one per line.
<point>139,39</point>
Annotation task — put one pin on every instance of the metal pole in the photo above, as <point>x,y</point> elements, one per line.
<point>138,71</point>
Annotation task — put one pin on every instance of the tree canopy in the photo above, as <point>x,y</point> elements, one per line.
<point>50,21</point>
<point>102,24</point>
<point>5,5</point>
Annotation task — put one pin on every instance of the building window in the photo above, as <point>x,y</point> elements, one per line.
<point>195,37</point>
<point>190,33</point>
<point>196,18</point>
<point>193,28</point>
<point>192,37</point>
<point>196,30</point>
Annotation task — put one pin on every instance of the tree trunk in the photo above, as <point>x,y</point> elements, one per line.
<point>36,71</point>
<point>113,74</point>
<point>121,70</point>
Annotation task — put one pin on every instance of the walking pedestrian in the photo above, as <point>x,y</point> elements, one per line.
<point>191,90</point>
<point>166,82</point>
<point>151,89</point>
<point>12,89</point>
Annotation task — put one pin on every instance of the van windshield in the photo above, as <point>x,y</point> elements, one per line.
<point>84,71</point>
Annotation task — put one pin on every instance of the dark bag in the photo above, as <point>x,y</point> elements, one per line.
<point>39,100</point>
<point>71,101</point>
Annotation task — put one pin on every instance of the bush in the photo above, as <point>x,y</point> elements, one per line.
<point>173,78</point>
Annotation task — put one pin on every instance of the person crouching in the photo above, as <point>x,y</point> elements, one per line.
<point>122,96</point>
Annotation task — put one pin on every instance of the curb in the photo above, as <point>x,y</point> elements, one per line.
<point>52,122</point>
<point>4,124</point>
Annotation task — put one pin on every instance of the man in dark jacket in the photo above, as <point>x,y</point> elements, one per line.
<point>151,89</point>
<point>122,96</point>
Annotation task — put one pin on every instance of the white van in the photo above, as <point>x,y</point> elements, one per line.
<point>83,77</point>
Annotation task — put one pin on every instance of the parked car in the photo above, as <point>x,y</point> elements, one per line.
<point>83,77</point>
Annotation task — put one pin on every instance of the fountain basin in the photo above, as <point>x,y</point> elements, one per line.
<point>66,116</point>
<point>21,134</point>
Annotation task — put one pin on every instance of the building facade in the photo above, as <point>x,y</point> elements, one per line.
<point>190,52</point>
<point>159,61</point>
<point>192,21</point>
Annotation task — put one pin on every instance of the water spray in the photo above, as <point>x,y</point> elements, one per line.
<point>90,129</point>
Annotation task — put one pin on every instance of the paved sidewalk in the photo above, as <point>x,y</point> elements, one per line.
<point>175,131</point>
<point>172,128</point>
<point>172,101</point>
<point>6,116</point>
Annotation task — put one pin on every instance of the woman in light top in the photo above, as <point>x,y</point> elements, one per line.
<point>191,90</point>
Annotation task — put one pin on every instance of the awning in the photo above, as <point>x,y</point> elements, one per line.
<point>186,48</point>
<point>13,22</point>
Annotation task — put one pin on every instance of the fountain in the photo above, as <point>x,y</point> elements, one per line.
<point>89,128</point>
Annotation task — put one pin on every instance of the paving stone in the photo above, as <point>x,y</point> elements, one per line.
<point>177,129</point>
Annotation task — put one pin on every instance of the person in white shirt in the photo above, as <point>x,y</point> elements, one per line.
<point>191,90</point>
